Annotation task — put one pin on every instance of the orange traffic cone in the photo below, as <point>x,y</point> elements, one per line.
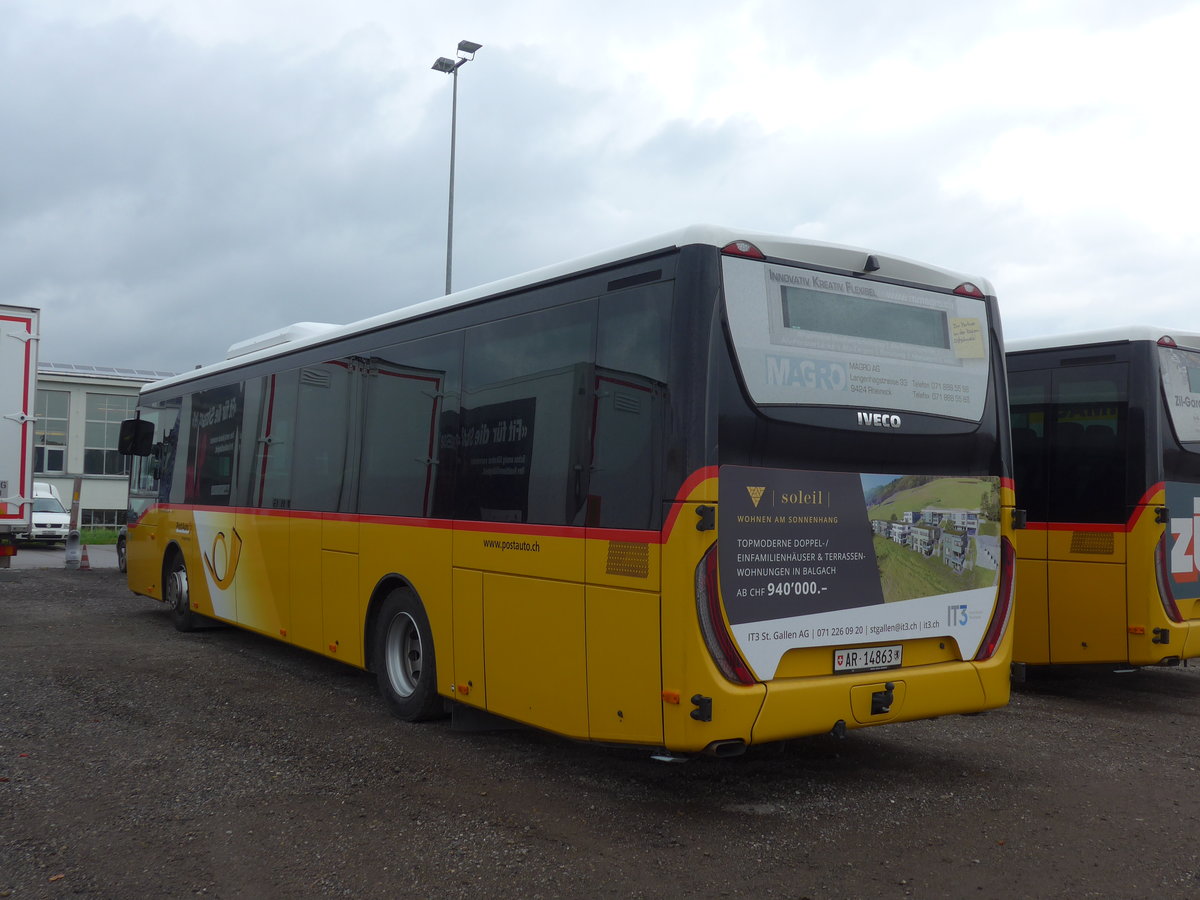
<point>83,560</point>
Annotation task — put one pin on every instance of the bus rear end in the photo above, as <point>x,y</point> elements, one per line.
<point>859,566</point>
<point>1177,551</point>
<point>1106,442</point>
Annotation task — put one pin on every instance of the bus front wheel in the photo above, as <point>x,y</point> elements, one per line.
<point>404,664</point>
<point>175,593</point>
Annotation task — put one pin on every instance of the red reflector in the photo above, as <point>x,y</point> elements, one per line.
<point>743,248</point>
<point>1167,341</point>
<point>966,289</point>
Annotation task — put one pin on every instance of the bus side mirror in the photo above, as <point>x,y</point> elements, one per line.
<point>136,438</point>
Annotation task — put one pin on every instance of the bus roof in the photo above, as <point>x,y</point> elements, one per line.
<point>836,256</point>
<point>1117,335</point>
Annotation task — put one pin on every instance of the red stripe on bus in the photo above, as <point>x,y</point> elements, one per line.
<point>628,535</point>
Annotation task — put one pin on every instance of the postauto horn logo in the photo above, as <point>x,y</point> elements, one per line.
<point>222,560</point>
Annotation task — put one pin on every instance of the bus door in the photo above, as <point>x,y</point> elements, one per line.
<point>1070,451</point>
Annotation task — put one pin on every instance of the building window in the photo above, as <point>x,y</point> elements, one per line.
<point>105,412</point>
<point>50,432</point>
<point>101,518</point>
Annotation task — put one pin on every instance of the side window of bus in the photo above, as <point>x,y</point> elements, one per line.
<point>324,461</point>
<point>270,430</point>
<point>150,476</point>
<point>1028,394</point>
<point>631,401</point>
<point>410,428</point>
<point>166,449</point>
<point>214,431</point>
<point>525,427</point>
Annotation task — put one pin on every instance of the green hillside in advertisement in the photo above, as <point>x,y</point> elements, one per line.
<point>937,491</point>
<point>904,574</point>
<point>950,541</point>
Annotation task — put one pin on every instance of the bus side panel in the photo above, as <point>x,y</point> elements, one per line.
<point>623,563</point>
<point>341,607</point>
<point>209,550</point>
<point>304,549</point>
<point>1087,612</point>
<point>342,603</point>
<point>624,670</point>
<point>144,554</point>
<point>263,581</point>
<point>1031,612</point>
<point>533,632</point>
<point>470,683</point>
<point>532,554</point>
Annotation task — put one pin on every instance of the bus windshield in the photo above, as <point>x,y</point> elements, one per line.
<point>1181,389</point>
<point>806,337</point>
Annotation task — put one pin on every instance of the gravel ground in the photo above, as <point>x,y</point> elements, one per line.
<point>136,761</point>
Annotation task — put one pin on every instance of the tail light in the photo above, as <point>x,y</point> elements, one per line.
<point>1004,603</point>
<point>712,623</point>
<point>967,289</point>
<point>1162,574</point>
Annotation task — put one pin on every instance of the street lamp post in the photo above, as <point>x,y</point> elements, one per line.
<point>466,53</point>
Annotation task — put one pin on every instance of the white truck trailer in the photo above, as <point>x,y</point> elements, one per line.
<point>18,388</point>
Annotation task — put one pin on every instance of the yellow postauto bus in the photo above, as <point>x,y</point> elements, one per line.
<point>705,491</point>
<point>1106,445</point>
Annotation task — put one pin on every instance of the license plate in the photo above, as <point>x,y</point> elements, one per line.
<point>867,659</point>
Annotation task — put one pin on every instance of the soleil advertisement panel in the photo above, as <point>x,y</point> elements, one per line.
<point>810,559</point>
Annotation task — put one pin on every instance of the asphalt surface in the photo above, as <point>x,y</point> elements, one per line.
<point>54,556</point>
<point>138,762</point>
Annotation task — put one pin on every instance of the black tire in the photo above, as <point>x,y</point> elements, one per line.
<point>122,562</point>
<point>177,595</point>
<point>404,661</point>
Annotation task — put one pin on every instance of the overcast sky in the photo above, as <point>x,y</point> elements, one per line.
<point>180,175</point>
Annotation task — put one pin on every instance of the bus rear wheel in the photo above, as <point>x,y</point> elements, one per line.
<point>404,662</point>
<point>176,594</point>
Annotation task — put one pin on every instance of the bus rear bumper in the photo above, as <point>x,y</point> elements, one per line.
<point>874,698</point>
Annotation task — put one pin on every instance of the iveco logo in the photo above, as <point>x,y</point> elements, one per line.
<point>878,420</point>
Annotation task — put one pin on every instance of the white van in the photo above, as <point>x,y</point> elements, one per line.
<point>51,522</point>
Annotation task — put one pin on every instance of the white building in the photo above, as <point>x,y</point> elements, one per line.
<point>79,411</point>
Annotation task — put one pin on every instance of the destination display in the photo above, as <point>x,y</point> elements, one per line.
<point>811,559</point>
<point>814,338</point>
